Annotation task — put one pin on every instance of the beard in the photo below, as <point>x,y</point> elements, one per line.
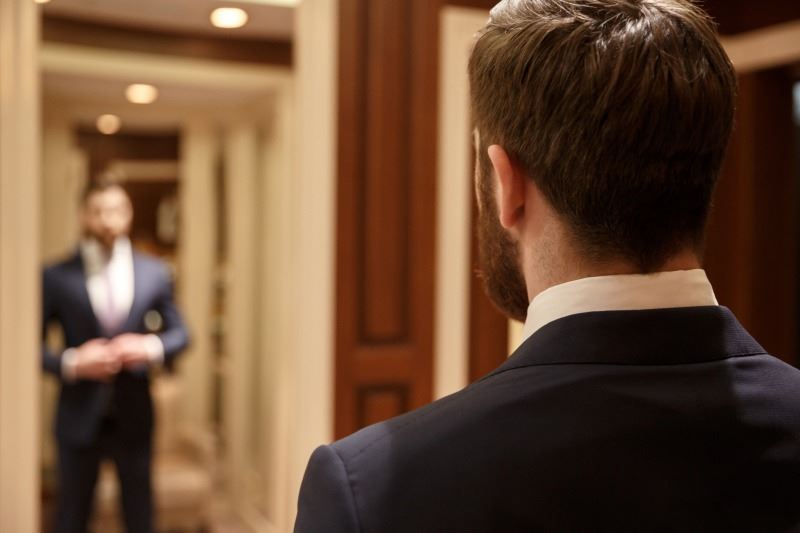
<point>498,255</point>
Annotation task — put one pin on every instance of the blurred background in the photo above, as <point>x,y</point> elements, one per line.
<point>305,167</point>
<point>184,103</point>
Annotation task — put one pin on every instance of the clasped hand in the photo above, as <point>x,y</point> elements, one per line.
<point>102,359</point>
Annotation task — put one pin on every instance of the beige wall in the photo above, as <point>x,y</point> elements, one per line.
<point>19,268</point>
<point>64,174</point>
<point>196,269</point>
<point>454,267</point>
<point>313,223</point>
<point>454,236</point>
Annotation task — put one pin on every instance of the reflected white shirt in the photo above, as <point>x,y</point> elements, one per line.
<point>118,267</point>
<point>662,290</point>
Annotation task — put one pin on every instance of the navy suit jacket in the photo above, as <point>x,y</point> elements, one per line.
<point>659,420</point>
<point>83,405</point>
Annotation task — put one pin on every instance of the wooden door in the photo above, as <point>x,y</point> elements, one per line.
<point>386,208</point>
<point>752,247</point>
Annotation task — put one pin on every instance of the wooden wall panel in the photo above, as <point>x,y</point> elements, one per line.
<point>386,205</point>
<point>752,247</point>
<point>381,402</point>
<point>384,228</point>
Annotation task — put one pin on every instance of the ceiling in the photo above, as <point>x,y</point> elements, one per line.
<point>267,20</point>
<point>88,82</point>
<point>83,89</point>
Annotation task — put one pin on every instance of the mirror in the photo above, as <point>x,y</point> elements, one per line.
<point>193,123</point>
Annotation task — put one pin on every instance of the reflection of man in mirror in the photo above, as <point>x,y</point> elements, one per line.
<point>100,297</point>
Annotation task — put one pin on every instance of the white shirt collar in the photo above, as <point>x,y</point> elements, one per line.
<point>95,258</point>
<point>684,288</point>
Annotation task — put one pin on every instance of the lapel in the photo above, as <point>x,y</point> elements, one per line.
<point>77,278</point>
<point>649,337</point>
<point>139,301</point>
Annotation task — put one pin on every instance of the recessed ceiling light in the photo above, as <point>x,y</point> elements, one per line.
<point>108,124</point>
<point>141,93</point>
<point>229,17</point>
<point>41,1</point>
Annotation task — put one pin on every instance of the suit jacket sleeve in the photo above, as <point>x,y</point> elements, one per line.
<point>326,503</point>
<point>174,335</point>
<point>50,362</point>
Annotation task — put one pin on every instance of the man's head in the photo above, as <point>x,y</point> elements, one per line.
<point>106,212</point>
<point>616,113</point>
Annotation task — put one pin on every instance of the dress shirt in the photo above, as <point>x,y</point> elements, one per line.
<point>103,271</point>
<point>683,288</point>
<point>114,272</point>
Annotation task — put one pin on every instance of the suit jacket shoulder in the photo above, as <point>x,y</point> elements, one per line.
<point>153,265</point>
<point>660,421</point>
<point>65,263</point>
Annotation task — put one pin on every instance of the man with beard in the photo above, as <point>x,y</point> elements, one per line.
<point>636,403</point>
<point>100,297</point>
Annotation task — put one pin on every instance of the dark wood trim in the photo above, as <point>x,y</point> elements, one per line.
<point>379,402</point>
<point>477,4</point>
<point>102,149</point>
<point>738,16</point>
<point>352,86</point>
<point>732,16</point>
<point>70,31</point>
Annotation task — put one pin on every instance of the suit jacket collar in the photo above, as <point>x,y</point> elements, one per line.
<point>650,337</point>
<point>77,274</point>
<point>139,284</point>
<point>628,292</point>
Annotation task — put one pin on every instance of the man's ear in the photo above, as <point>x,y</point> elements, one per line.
<point>510,187</point>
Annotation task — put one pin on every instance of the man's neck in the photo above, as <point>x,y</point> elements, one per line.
<point>102,250</point>
<point>569,269</point>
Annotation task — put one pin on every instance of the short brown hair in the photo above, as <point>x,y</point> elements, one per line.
<point>619,110</point>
